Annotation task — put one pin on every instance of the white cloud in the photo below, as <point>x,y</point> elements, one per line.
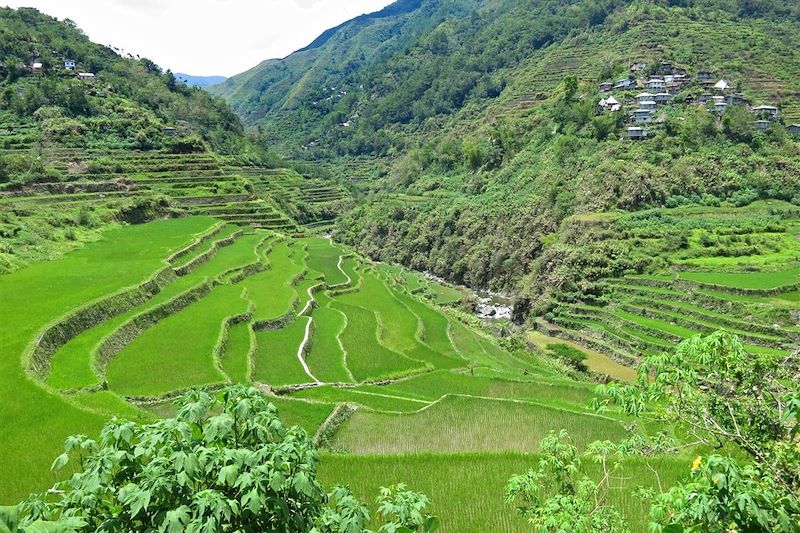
<point>205,37</point>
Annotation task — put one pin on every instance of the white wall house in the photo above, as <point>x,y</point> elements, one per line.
<point>636,133</point>
<point>657,84</point>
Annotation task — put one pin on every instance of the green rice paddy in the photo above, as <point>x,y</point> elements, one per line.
<point>465,424</point>
<point>747,280</point>
<point>235,358</point>
<point>466,489</point>
<point>176,353</point>
<point>440,403</point>
<point>277,363</point>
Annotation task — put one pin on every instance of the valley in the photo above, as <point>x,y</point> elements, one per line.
<point>318,328</point>
<point>228,301</point>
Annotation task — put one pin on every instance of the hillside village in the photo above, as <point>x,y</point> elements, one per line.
<point>666,84</point>
<point>69,68</point>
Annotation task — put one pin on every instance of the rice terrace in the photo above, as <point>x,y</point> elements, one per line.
<point>410,278</point>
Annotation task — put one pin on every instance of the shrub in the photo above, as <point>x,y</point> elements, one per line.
<point>572,356</point>
<point>745,197</point>
<point>224,463</point>
<point>186,145</point>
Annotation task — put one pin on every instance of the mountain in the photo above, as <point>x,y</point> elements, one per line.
<point>474,130</point>
<point>414,65</point>
<point>124,103</point>
<point>199,81</point>
<point>89,139</point>
<point>316,77</point>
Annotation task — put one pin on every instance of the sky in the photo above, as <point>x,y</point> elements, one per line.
<point>205,37</point>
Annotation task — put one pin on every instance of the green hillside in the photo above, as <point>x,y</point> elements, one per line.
<point>382,84</point>
<point>485,157</point>
<point>89,139</point>
<point>488,126</point>
<point>128,102</point>
<point>622,176</point>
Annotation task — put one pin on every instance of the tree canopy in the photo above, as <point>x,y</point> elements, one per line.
<point>225,462</point>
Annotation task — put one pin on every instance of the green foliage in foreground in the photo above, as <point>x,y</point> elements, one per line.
<point>720,395</point>
<point>224,463</point>
<point>559,497</point>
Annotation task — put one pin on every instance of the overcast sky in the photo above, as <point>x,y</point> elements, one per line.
<point>205,37</point>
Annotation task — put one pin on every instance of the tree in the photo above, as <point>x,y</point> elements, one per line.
<point>150,66</point>
<point>722,395</point>
<point>737,124</point>
<point>715,391</point>
<point>224,463</point>
<point>559,497</point>
<point>570,88</point>
<point>170,80</point>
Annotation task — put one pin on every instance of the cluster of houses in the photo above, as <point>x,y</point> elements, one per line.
<point>665,84</point>
<point>37,67</point>
<point>181,127</point>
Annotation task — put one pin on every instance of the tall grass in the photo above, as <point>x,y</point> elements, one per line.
<point>108,404</point>
<point>461,424</point>
<point>482,352</point>
<point>467,489</point>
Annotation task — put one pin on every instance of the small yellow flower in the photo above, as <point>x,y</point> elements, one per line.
<point>697,462</point>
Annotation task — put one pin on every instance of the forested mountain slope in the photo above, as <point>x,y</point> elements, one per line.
<point>368,85</point>
<point>126,103</point>
<point>326,69</point>
<point>485,149</point>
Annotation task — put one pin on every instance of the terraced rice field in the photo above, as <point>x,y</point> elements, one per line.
<point>182,359</point>
<point>467,488</point>
<point>201,184</point>
<point>35,419</point>
<point>203,302</point>
<point>750,295</point>
<point>467,424</point>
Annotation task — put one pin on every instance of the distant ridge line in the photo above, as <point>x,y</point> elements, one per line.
<point>397,8</point>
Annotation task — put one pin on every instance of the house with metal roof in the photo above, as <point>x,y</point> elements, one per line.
<point>767,111</point>
<point>642,115</point>
<point>636,133</point>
